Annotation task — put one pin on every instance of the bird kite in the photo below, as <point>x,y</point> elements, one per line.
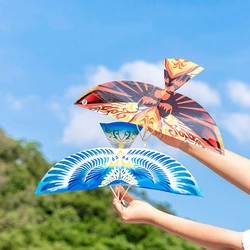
<point>157,109</point>
<point>119,164</point>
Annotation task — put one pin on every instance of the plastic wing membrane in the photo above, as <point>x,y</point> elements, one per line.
<point>178,71</point>
<point>102,167</point>
<point>120,134</point>
<point>143,104</point>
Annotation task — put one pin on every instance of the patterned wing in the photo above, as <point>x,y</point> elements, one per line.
<point>116,91</point>
<point>80,171</point>
<point>101,167</point>
<point>152,107</point>
<point>178,71</point>
<point>189,121</point>
<point>122,100</point>
<point>155,170</point>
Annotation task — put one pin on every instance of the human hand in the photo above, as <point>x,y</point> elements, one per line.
<point>171,141</point>
<point>137,211</point>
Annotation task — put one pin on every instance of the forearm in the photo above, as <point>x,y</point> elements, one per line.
<point>204,235</point>
<point>232,167</point>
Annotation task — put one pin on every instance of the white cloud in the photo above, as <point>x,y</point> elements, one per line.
<point>16,103</point>
<point>58,110</point>
<point>103,74</point>
<point>83,127</point>
<point>13,102</point>
<point>201,92</point>
<point>237,124</point>
<point>239,93</point>
<point>146,72</point>
<point>138,71</point>
<point>75,92</point>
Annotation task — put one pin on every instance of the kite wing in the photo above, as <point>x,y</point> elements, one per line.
<point>189,121</point>
<point>102,167</point>
<point>149,106</point>
<point>178,71</point>
<point>80,171</point>
<point>121,100</point>
<point>155,170</point>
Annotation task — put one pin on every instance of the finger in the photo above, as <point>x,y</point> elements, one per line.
<point>126,196</point>
<point>118,206</point>
<point>123,194</point>
<point>117,191</point>
<point>118,187</point>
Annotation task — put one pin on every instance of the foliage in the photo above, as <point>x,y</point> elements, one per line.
<point>77,220</point>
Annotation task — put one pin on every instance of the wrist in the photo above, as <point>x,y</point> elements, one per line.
<point>153,216</point>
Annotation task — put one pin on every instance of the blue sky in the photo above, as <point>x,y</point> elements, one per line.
<point>52,51</point>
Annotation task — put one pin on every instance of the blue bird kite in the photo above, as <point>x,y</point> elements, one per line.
<point>100,167</point>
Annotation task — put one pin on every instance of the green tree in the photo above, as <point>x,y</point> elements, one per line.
<point>76,220</point>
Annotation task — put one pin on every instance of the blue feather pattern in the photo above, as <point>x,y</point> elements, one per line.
<point>164,172</point>
<point>101,167</point>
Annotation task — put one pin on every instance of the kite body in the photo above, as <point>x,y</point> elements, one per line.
<point>100,167</point>
<point>161,110</point>
<point>120,134</point>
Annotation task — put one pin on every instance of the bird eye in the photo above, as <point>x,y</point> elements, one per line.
<point>84,102</point>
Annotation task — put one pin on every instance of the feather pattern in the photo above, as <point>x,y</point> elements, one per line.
<point>100,167</point>
<point>157,109</point>
<point>164,172</point>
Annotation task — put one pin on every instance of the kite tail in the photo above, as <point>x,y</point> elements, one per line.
<point>178,71</point>
<point>121,134</point>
